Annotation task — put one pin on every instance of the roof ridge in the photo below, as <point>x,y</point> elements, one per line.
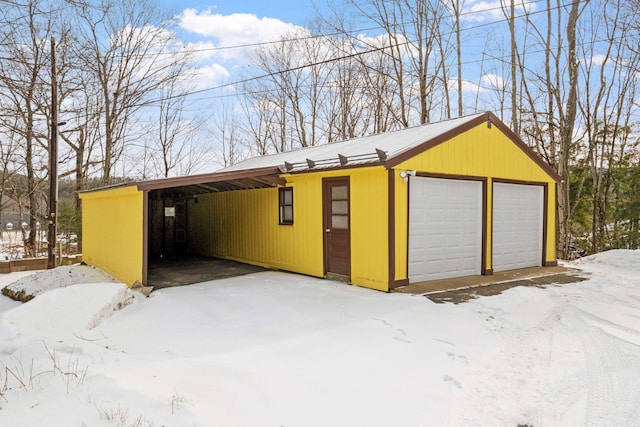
<point>301,150</point>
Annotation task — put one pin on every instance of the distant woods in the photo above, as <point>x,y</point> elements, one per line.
<point>563,75</point>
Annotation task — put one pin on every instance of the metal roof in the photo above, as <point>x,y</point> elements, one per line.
<point>207,183</point>
<point>218,181</point>
<point>366,150</point>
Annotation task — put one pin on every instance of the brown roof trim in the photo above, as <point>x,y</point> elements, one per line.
<point>338,167</point>
<point>524,147</point>
<point>108,187</point>
<point>487,117</point>
<point>158,184</point>
<point>268,176</point>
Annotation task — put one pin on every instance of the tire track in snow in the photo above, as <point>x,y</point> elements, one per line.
<point>513,379</point>
<point>612,325</point>
<point>570,367</point>
<point>613,376</point>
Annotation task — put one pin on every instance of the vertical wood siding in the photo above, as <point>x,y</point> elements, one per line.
<point>369,228</point>
<point>112,232</point>
<point>243,225</point>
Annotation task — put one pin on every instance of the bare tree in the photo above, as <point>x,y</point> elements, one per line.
<point>8,152</point>
<point>550,103</point>
<point>296,72</point>
<point>174,143</point>
<point>262,120</point>
<point>227,131</point>
<point>348,110</point>
<point>126,48</point>
<point>510,15</point>
<point>23,70</point>
<point>457,8</point>
<point>610,88</point>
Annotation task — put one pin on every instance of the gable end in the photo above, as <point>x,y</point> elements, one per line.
<point>490,119</point>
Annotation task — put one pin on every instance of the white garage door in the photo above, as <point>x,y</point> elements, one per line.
<point>517,226</point>
<point>445,228</point>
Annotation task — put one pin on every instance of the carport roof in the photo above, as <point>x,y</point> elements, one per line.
<point>210,182</point>
<point>218,181</point>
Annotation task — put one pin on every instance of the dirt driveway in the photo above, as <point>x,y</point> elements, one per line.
<point>461,290</point>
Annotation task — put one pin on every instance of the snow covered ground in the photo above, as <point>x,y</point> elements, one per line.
<point>276,349</point>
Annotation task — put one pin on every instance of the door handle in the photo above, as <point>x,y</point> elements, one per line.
<point>328,230</point>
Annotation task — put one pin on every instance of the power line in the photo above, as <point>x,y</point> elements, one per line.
<point>353,55</point>
<point>334,34</point>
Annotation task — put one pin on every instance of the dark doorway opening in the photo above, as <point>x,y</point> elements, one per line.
<point>167,227</point>
<point>166,246</point>
<point>169,261</point>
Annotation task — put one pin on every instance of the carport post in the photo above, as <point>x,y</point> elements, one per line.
<point>145,235</point>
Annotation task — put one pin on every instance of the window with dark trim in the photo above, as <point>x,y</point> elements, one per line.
<point>285,196</point>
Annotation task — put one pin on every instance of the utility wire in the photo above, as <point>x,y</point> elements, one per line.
<point>351,56</point>
<point>334,34</point>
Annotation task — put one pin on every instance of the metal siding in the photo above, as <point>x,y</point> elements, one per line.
<point>550,255</point>
<point>243,225</point>
<point>112,232</point>
<point>401,227</point>
<point>369,228</point>
<point>479,152</point>
<point>483,152</point>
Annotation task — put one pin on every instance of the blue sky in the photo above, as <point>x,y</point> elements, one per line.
<point>206,27</point>
<point>290,11</point>
<point>221,36</point>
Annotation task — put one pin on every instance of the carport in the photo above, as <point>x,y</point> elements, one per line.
<point>169,247</point>
<point>142,226</point>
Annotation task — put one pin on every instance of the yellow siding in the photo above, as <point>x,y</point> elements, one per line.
<point>112,232</point>
<point>243,225</point>
<point>551,224</point>
<point>482,152</point>
<point>369,228</point>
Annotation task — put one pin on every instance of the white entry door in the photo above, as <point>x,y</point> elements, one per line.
<point>517,226</point>
<point>445,228</point>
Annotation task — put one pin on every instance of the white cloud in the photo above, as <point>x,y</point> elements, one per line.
<point>487,83</point>
<point>381,40</point>
<point>599,59</point>
<point>235,29</point>
<point>467,86</point>
<point>492,81</point>
<point>201,50</point>
<point>480,11</point>
<point>210,76</point>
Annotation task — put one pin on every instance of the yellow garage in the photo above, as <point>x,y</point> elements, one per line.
<point>455,198</point>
